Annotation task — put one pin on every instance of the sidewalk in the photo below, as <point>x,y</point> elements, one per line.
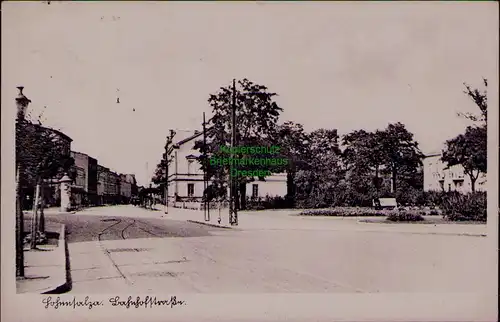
<point>51,211</point>
<point>45,269</point>
<point>285,220</point>
<point>198,216</point>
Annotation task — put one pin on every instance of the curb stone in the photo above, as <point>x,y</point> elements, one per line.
<point>62,281</point>
<point>211,225</point>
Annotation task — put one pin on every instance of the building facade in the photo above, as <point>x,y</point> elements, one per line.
<point>102,182</point>
<point>439,177</point>
<point>89,165</point>
<point>186,182</point>
<point>113,188</point>
<point>125,188</point>
<point>133,185</point>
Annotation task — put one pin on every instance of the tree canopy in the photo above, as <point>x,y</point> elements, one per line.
<point>470,151</point>
<point>257,116</point>
<point>40,153</point>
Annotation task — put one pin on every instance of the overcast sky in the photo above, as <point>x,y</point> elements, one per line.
<point>334,65</point>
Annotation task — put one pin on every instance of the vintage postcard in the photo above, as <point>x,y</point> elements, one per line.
<point>249,161</point>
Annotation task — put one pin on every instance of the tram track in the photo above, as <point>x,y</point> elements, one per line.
<point>122,234</point>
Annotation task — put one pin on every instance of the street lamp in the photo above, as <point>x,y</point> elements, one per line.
<point>22,104</point>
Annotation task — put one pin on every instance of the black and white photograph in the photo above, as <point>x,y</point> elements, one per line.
<point>250,161</point>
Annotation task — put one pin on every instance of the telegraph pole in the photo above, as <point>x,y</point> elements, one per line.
<point>168,149</point>
<point>165,185</point>
<point>206,207</point>
<point>233,212</point>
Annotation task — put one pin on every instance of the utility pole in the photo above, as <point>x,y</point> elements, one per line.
<point>233,212</point>
<point>206,208</point>
<point>168,150</point>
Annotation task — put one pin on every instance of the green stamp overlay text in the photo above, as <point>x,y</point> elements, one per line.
<point>273,151</point>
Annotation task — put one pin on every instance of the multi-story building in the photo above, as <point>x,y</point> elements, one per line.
<point>114,185</point>
<point>439,177</point>
<point>89,165</point>
<point>80,178</point>
<point>102,182</point>
<point>115,188</point>
<point>186,182</point>
<point>125,188</point>
<point>133,185</point>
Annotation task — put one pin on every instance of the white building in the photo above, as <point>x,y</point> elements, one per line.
<point>437,177</point>
<point>185,176</point>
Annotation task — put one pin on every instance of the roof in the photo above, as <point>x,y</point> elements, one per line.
<point>64,136</point>
<point>59,133</point>
<point>192,137</point>
<point>432,154</point>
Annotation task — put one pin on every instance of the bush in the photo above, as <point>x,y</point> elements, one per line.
<point>405,215</point>
<point>267,202</point>
<point>465,207</point>
<point>411,197</point>
<point>344,212</point>
<point>434,198</point>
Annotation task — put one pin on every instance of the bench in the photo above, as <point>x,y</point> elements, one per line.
<point>385,203</point>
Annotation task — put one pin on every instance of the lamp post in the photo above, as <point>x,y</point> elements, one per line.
<point>22,103</point>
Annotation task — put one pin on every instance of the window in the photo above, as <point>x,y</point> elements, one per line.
<point>190,166</point>
<point>190,189</point>
<point>255,190</point>
<point>449,187</point>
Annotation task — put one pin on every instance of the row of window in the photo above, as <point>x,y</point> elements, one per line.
<point>190,190</point>
<point>450,175</point>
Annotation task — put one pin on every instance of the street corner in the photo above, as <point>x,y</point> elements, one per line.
<point>213,224</point>
<point>47,267</point>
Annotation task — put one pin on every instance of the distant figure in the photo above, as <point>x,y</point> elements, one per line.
<point>133,110</point>
<point>117,100</point>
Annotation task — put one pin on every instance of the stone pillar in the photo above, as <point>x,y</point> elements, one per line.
<point>65,193</point>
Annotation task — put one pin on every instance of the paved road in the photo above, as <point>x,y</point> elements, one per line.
<point>128,252</point>
<point>84,228</point>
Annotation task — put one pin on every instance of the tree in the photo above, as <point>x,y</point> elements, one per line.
<point>364,156</point>
<point>402,154</point>
<point>293,141</point>
<point>480,98</point>
<point>470,151</point>
<point>40,156</point>
<point>470,148</point>
<point>319,180</point>
<point>257,115</point>
<point>160,176</point>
